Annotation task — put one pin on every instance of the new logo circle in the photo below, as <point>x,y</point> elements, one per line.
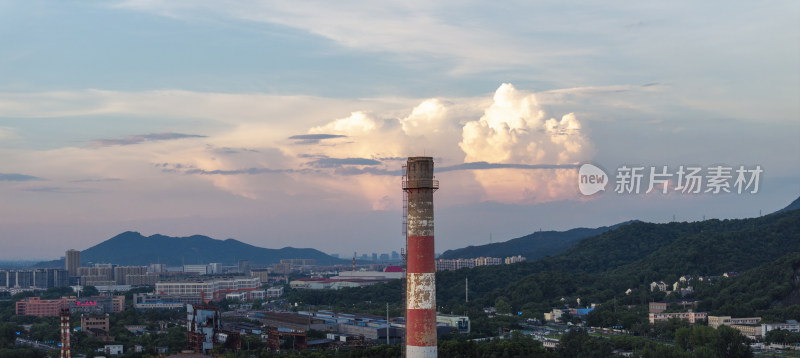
<point>591,179</point>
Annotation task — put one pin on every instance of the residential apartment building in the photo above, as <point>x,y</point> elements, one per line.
<point>72,261</point>
<point>96,276</point>
<point>39,278</point>
<point>121,273</point>
<point>514,259</point>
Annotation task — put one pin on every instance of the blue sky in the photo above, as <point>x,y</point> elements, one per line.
<point>177,117</point>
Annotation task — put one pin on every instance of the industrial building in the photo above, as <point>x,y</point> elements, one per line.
<point>96,326</point>
<point>460,323</point>
<point>204,329</point>
<point>349,279</point>
<point>247,295</point>
<point>207,289</point>
<point>145,301</point>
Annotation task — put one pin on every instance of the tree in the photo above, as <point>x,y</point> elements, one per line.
<point>89,291</point>
<point>730,343</point>
<point>502,306</point>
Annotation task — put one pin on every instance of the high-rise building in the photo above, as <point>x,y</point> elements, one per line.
<point>72,261</point>
<point>121,273</point>
<point>215,268</point>
<point>244,267</point>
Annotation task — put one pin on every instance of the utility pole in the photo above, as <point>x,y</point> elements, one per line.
<point>466,288</point>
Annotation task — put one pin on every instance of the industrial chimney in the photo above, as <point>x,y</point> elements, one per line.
<point>419,185</point>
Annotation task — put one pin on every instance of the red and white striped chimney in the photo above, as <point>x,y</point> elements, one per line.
<point>419,185</point>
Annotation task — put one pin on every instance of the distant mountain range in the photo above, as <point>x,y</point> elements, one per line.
<point>533,246</point>
<point>793,206</point>
<point>132,248</point>
<point>764,250</point>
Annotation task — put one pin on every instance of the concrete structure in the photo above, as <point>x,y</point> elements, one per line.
<point>72,260</point>
<point>35,306</point>
<point>658,307</point>
<point>791,326</point>
<point>96,326</point>
<point>554,315</point>
<point>65,329</point>
<point>460,323</point>
<point>148,279</point>
<point>121,274</point>
<point>717,321</point>
<point>349,279</point>
<point>692,317</point>
<point>113,349</point>
<point>752,331</point>
<point>208,289</point>
<point>244,267</point>
<point>322,283</point>
<point>39,278</point>
<point>371,275</point>
<point>199,269</point>
<point>215,268</point>
<point>16,279</point>
<point>456,264</point>
<point>282,268</point>
<point>144,301</point>
<point>658,286</point>
<point>203,323</point>
<point>371,328</point>
<point>247,295</point>
<point>299,262</point>
<point>276,291</point>
<point>419,185</point>
<point>203,328</point>
<point>262,274</point>
<point>98,304</point>
<point>514,259</point>
<point>96,276</point>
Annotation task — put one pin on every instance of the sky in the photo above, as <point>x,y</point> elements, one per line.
<point>283,123</point>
